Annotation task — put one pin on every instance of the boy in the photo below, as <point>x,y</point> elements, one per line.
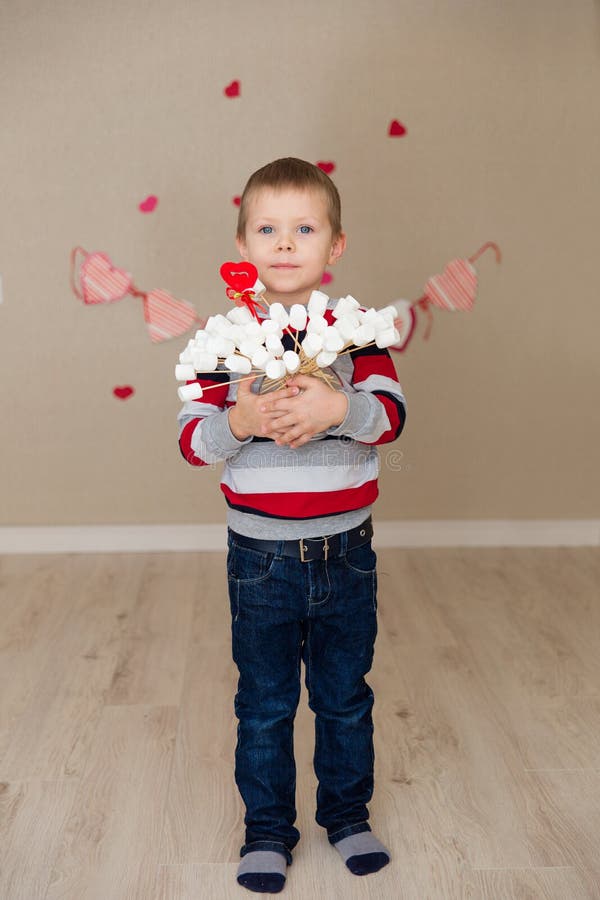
<point>299,479</point>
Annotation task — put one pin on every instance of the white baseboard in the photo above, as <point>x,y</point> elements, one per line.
<point>407,533</point>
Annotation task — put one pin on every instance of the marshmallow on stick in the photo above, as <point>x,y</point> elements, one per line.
<point>251,337</point>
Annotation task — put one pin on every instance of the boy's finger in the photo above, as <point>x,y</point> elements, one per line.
<point>245,385</point>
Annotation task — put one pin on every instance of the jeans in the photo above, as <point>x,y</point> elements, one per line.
<point>324,612</point>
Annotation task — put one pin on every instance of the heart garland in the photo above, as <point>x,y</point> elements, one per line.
<point>454,291</point>
<point>102,282</point>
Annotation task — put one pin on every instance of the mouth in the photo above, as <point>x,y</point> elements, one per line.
<point>284,266</point>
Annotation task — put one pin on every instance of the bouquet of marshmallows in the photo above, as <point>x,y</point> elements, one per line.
<point>248,345</point>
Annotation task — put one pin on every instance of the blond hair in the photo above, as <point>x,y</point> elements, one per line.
<point>295,173</point>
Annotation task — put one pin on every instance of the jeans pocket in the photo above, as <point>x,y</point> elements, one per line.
<point>362,559</point>
<point>248,566</point>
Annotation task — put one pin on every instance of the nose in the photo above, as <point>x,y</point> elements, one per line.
<point>285,241</point>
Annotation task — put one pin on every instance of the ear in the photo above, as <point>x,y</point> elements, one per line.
<point>337,249</point>
<point>242,249</point>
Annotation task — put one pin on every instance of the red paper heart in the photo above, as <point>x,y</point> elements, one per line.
<point>396,128</point>
<point>237,200</point>
<point>167,317</point>
<point>100,281</point>
<point>455,288</point>
<point>239,276</point>
<point>123,392</point>
<point>327,167</point>
<point>232,89</point>
<point>149,204</point>
<point>327,278</point>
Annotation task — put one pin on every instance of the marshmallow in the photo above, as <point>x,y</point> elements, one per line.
<point>332,339</point>
<point>203,361</point>
<point>275,369</point>
<point>291,361</point>
<point>346,326</point>
<point>185,373</point>
<point>249,346</point>
<point>185,357</point>
<point>240,315</point>
<point>273,344</point>
<point>253,329</point>
<point>261,357</point>
<point>270,326</point>
<point>325,358</point>
<point>311,345</point>
<point>298,316</point>
<point>278,313</point>
<point>189,392</point>
<point>200,337</point>
<point>389,311</point>
<point>387,338</point>
<point>316,324</point>
<point>364,334</point>
<point>233,361</point>
<point>317,303</point>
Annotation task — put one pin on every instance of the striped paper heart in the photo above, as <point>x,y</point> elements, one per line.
<point>100,281</point>
<point>455,288</point>
<point>167,317</point>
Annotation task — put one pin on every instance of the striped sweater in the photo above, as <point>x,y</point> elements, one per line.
<point>325,486</point>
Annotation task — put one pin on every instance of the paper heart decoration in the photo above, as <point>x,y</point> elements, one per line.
<point>167,317</point>
<point>101,282</point>
<point>404,323</point>
<point>327,278</point>
<point>327,167</point>
<point>455,288</point>
<point>232,89</point>
<point>123,392</point>
<point>149,204</point>
<point>396,129</point>
<point>237,200</point>
<point>239,276</point>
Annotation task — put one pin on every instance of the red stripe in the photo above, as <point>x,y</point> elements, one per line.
<point>305,505</point>
<point>185,443</point>
<point>392,413</point>
<point>373,364</point>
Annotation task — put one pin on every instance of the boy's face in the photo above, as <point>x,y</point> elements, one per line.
<point>289,239</point>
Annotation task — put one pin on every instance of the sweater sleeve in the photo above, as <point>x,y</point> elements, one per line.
<point>204,433</point>
<point>377,409</point>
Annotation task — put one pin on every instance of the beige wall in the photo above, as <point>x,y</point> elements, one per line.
<point>104,104</point>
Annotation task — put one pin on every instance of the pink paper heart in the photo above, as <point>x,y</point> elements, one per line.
<point>233,89</point>
<point>396,128</point>
<point>455,288</point>
<point>101,282</point>
<point>167,317</point>
<point>124,391</point>
<point>327,278</point>
<point>404,324</point>
<point>327,167</point>
<point>149,204</point>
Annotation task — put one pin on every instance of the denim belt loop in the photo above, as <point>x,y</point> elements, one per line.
<point>343,543</point>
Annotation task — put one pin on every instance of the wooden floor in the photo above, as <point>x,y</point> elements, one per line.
<point>117,730</point>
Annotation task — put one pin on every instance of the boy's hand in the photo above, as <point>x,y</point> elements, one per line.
<point>295,419</point>
<point>247,418</point>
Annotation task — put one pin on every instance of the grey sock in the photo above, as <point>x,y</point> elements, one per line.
<point>363,853</point>
<point>262,871</point>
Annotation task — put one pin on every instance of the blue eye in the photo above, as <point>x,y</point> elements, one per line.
<point>305,229</point>
<point>266,229</point>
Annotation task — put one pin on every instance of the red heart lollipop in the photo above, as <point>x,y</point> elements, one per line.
<point>239,276</point>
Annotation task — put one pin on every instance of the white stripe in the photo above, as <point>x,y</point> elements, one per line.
<point>306,479</point>
<point>381,383</point>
